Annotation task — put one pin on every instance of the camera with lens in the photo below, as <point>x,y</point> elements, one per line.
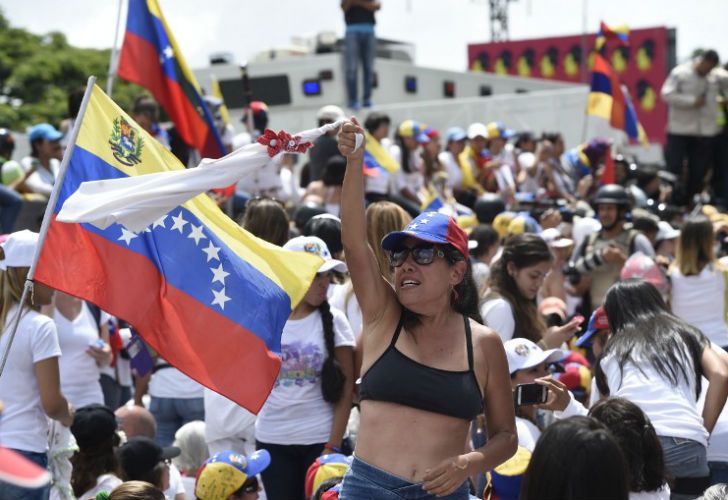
<point>572,273</point>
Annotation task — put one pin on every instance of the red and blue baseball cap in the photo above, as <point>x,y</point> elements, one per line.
<point>432,227</point>
<point>325,467</point>
<point>225,473</point>
<point>598,321</point>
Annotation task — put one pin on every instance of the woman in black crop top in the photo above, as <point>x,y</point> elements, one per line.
<point>428,367</point>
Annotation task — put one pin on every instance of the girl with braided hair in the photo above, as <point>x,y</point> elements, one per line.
<point>307,411</point>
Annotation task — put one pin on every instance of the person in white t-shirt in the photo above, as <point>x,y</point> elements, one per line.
<point>509,306</point>
<point>640,445</point>
<point>656,360</point>
<point>526,363</point>
<point>83,351</point>
<point>307,411</point>
<point>696,275</point>
<point>44,159</point>
<point>29,387</point>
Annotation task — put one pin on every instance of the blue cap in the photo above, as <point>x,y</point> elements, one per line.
<point>433,227</point>
<point>455,134</point>
<point>44,131</point>
<point>597,321</point>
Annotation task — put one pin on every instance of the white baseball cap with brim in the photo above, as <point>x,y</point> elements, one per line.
<point>666,231</point>
<point>555,239</point>
<point>315,245</point>
<point>523,354</point>
<point>18,249</point>
<point>477,130</point>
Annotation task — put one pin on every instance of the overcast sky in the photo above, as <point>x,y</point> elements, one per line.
<point>440,29</point>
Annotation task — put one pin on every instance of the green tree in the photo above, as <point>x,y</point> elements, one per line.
<point>39,71</point>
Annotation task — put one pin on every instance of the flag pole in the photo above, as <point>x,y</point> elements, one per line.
<point>28,287</point>
<point>114,53</point>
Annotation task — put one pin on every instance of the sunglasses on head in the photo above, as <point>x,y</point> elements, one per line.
<point>251,485</point>
<point>422,255</point>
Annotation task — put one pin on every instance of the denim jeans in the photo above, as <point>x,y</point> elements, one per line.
<point>364,481</point>
<point>718,472</point>
<point>13,492</point>
<point>687,462</point>
<point>173,413</point>
<point>10,204</point>
<point>359,46</point>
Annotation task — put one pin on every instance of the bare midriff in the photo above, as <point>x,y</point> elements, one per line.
<point>405,441</point>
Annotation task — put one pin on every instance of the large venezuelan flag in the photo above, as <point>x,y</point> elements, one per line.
<point>150,57</point>
<point>607,100</point>
<point>208,296</point>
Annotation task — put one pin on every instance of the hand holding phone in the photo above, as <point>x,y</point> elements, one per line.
<point>530,394</point>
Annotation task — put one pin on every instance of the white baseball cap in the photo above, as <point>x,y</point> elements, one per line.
<point>19,249</point>
<point>330,112</point>
<point>315,245</point>
<point>523,354</point>
<point>477,130</point>
<point>555,239</point>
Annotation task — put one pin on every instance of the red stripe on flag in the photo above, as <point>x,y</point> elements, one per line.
<point>208,347</point>
<point>139,63</point>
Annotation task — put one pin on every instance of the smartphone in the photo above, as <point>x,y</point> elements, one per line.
<point>530,394</point>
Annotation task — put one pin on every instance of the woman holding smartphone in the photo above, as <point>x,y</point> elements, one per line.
<point>526,363</point>
<point>428,367</point>
<point>515,281</point>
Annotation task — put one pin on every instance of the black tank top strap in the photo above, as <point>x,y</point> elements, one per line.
<point>396,332</point>
<point>469,342</point>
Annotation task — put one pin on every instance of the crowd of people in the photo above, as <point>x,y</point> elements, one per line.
<point>496,316</point>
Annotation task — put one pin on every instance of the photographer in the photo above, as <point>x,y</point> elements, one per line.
<point>596,263</point>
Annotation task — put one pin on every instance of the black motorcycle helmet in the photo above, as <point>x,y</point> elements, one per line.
<point>611,193</point>
<point>487,207</point>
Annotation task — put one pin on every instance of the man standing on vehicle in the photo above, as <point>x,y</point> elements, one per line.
<point>360,44</point>
<point>598,260</point>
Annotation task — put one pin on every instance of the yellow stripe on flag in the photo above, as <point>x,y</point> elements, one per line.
<point>292,271</point>
<point>599,104</point>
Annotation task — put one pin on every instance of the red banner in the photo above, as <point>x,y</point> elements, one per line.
<point>642,66</point>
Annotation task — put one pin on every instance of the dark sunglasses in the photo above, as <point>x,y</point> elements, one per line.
<point>422,255</point>
<point>251,485</point>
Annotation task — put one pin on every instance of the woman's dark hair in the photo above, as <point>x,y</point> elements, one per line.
<point>146,105</point>
<point>376,120</point>
<point>334,170</point>
<point>644,331</point>
<point>136,490</point>
<point>266,219</point>
<point>576,459</point>
<point>638,440</point>
<point>332,377</point>
<point>74,101</point>
<point>486,237</point>
<point>328,228</point>
<point>405,153</point>
<point>93,461</point>
<point>552,137</point>
<point>523,250</point>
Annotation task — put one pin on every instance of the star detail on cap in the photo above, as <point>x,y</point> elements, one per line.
<point>219,274</point>
<point>126,236</point>
<point>413,226</point>
<point>179,223</point>
<point>212,252</point>
<point>220,298</point>
<point>196,234</point>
